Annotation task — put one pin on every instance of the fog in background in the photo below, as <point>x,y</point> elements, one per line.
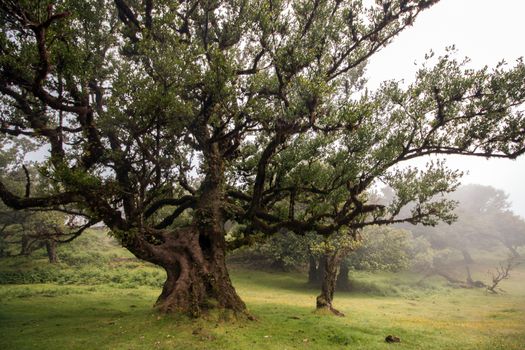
<point>486,31</point>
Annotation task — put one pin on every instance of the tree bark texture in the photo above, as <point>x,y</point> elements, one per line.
<point>317,270</point>
<point>197,277</point>
<point>51,249</point>
<point>331,272</point>
<point>194,258</point>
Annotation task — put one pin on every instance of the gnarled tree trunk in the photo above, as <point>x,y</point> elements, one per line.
<point>193,256</point>
<point>197,277</point>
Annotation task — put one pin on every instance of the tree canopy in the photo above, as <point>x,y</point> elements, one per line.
<point>164,119</point>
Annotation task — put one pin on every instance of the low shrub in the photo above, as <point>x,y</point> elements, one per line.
<point>84,276</point>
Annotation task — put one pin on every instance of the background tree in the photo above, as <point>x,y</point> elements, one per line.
<point>484,222</point>
<point>284,251</point>
<point>24,231</point>
<point>384,248</point>
<point>218,110</point>
<point>510,232</point>
<point>11,222</point>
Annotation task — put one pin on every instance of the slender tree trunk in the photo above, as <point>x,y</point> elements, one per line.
<point>321,268</point>
<point>51,249</point>
<point>313,274</point>
<point>467,257</point>
<point>470,281</point>
<point>2,242</point>
<point>331,271</point>
<point>331,278</point>
<point>25,249</point>
<point>343,283</point>
<point>316,270</point>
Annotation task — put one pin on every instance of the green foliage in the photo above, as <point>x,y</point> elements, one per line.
<point>22,231</point>
<point>376,248</point>
<point>181,115</point>
<point>145,92</point>
<point>284,251</point>
<point>382,249</point>
<point>119,277</point>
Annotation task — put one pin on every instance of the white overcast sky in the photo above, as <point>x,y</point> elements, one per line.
<point>487,31</point>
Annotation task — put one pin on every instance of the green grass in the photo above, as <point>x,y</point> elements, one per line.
<point>45,316</point>
<point>95,314</point>
<point>93,259</point>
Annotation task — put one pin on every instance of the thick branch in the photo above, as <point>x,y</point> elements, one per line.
<point>165,202</point>
<point>17,202</point>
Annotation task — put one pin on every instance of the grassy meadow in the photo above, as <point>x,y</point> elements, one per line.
<point>99,297</point>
